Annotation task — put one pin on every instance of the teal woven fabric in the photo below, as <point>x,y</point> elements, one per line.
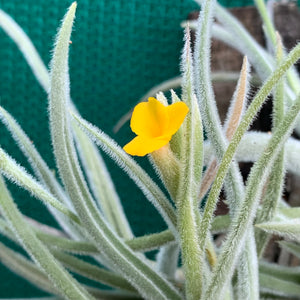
<point>119,50</point>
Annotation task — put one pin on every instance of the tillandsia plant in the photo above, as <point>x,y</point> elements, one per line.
<point>193,171</point>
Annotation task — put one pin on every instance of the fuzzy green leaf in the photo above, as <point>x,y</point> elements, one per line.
<point>289,228</point>
<point>233,182</point>
<point>252,145</point>
<point>189,181</point>
<point>18,175</point>
<point>279,287</point>
<point>17,34</point>
<point>291,274</point>
<point>92,272</point>
<point>167,259</point>
<point>65,284</point>
<point>119,256</point>
<point>245,215</point>
<point>25,268</point>
<point>41,170</point>
<point>270,33</point>
<point>275,182</point>
<point>247,276</point>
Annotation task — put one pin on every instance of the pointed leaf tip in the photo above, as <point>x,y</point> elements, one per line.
<point>72,9</point>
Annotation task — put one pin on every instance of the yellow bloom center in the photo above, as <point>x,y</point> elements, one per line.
<point>154,124</point>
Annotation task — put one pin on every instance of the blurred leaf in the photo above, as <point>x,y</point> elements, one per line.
<point>291,247</point>
<point>279,287</point>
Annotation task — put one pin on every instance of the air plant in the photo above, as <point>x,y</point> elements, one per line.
<point>193,171</point>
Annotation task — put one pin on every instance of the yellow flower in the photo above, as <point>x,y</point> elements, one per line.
<point>154,124</point>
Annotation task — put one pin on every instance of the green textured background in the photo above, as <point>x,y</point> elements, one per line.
<point>120,49</point>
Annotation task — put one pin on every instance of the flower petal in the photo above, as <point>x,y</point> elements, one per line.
<point>176,112</point>
<point>141,146</point>
<point>149,119</point>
